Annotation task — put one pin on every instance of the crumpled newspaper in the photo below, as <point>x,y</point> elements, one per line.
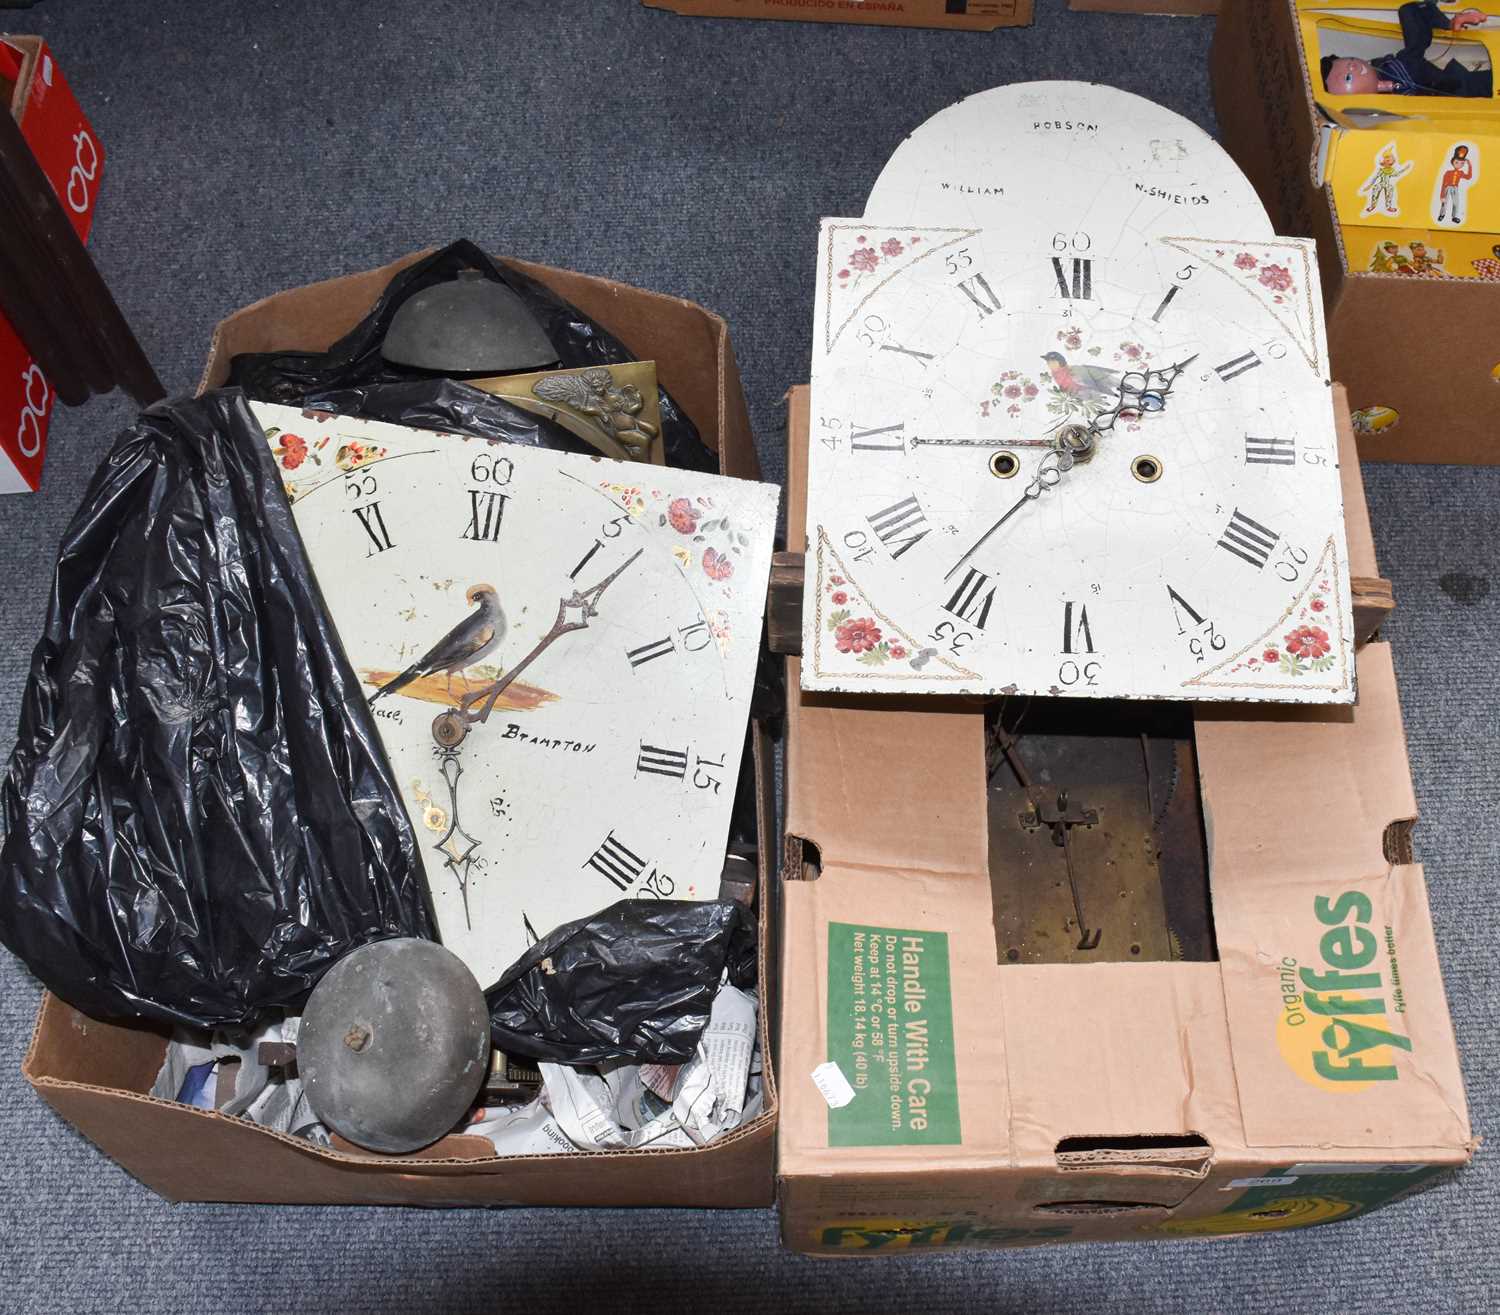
<point>195,1059</point>
<point>626,1106</point>
<point>609,1106</point>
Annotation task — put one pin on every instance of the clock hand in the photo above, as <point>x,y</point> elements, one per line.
<point>982,442</point>
<point>451,727</point>
<point>1141,398</point>
<point>1074,444</point>
<point>459,849</point>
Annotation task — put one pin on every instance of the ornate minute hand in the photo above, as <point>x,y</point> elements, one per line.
<point>451,727</point>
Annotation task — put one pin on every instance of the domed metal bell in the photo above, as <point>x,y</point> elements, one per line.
<point>394,1044</point>
<point>470,325</point>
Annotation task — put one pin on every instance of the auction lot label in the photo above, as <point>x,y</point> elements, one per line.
<point>890,1031</point>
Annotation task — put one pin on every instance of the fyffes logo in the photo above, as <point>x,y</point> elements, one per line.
<point>1283,1212</point>
<point>908,1234</point>
<point>1335,1029</point>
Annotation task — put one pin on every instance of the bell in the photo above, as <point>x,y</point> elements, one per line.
<point>394,1044</point>
<point>470,325</point>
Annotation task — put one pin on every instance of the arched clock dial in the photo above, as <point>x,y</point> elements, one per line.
<point>1091,166</point>
<point>559,650</point>
<point>1062,475</point>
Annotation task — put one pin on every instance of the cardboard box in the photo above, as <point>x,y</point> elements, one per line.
<point>1175,8</point>
<point>968,15</point>
<point>96,1074</point>
<point>63,141</point>
<point>1419,356</point>
<point>1308,1074</point>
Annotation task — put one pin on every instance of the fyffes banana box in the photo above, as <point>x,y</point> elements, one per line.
<point>939,1095</point>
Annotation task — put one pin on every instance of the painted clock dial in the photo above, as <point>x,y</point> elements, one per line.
<point>1095,164</point>
<point>624,601</point>
<point>955,545</point>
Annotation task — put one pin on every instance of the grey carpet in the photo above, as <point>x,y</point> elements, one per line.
<point>255,147</point>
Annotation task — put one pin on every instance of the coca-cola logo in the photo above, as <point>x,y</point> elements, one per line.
<point>34,410</point>
<point>83,173</point>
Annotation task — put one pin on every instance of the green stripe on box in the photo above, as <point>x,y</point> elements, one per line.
<point>890,1031</point>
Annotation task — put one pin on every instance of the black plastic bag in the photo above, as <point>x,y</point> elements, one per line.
<point>199,818</point>
<point>447,405</point>
<point>355,362</point>
<point>635,981</point>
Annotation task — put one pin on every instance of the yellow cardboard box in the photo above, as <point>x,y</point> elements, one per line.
<point>1415,180</point>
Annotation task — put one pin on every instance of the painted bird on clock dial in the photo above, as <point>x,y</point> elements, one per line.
<point>471,640</point>
<point>1088,383</point>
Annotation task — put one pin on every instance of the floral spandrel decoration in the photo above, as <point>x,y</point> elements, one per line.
<point>859,636</point>
<point>1277,278</point>
<point>709,541</point>
<point>1305,646</point>
<point>296,457</point>
<point>865,255</point>
<point>290,449</point>
<point>354,453</point>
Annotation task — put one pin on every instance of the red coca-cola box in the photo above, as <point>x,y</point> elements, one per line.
<point>63,141</point>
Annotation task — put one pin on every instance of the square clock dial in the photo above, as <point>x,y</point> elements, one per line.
<point>559,651</point>
<point>1036,471</point>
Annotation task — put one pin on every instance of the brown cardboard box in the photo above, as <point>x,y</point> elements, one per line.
<point>1425,348</point>
<point>1020,1104</point>
<point>96,1075</point>
<point>970,15</point>
<point>1178,8</point>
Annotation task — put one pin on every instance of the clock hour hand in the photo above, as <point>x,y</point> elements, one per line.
<point>1136,398</point>
<point>1074,444</point>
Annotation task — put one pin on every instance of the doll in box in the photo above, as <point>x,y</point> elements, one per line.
<point>1408,71</point>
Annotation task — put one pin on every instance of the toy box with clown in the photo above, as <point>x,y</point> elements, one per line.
<point>1411,150</point>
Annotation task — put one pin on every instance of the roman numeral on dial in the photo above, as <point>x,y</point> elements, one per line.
<point>374,523</point>
<point>898,520</point>
<point>1270,451</point>
<point>870,440</point>
<point>650,652</point>
<point>1181,604</point>
<point>695,638</point>
<point>977,289</point>
<point>584,561</point>
<point>1248,539</point>
<point>924,357</point>
<point>1082,287</point>
<point>1076,629</point>
<point>617,863</point>
<point>972,600</point>
<point>662,762</point>
<point>486,511</point>
<point>1233,369</point>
